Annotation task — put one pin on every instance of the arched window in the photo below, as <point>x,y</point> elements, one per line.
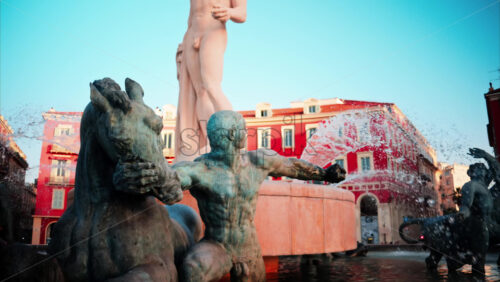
<point>48,232</point>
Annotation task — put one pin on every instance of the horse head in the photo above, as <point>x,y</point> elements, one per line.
<point>123,130</point>
<point>128,129</point>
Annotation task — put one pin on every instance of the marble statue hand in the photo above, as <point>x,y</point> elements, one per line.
<point>222,14</point>
<point>334,174</point>
<point>147,178</point>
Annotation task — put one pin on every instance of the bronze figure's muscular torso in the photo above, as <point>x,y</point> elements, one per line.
<point>225,183</point>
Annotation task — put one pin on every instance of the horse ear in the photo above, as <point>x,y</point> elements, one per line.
<point>98,100</point>
<point>134,90</point>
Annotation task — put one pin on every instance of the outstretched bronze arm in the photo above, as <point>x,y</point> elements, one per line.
<point>188,173</point>
<point>277,165</point>
<point>493,164</point>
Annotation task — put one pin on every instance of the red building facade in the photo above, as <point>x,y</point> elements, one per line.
<point>56,176</point>
<point>386,167</point>
<point>391,168</point>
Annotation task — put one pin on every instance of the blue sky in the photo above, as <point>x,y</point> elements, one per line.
<point>434,59</point>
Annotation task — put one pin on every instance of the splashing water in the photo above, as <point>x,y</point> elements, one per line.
<point>355,130</point>
<point>378,130</point>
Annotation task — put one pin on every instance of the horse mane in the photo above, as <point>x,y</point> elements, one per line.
<point>85,185</point>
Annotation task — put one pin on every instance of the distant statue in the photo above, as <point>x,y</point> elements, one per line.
<point>464,237</point>
<point>116,230</point>
<point>200,59</point>
<point>494,169</point>
<point>225,182</point>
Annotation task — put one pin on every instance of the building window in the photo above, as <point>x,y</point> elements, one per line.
<point>63,130</point>
<point>61,168</point>
<point>288,138</point>
<point>168,139</point>
<point>58,199</point>
<point>264,142</point>
<point>342,162</point>
<point>312,109</point>
<point>341,133</point>
<point>365,161</point>
<point>59,172</point>
<point>311,129</point>
<point>263,110</point>
<point>264,138</point>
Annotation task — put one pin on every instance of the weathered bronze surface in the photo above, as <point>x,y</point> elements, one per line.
<point>116,229</point>
<point>463,238</point>
<point>225,183</point>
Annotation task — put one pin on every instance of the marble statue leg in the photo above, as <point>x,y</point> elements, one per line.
<point>187,128</point>
<point>206,261</point>
<point>211,65</point>
<point>205,65</point>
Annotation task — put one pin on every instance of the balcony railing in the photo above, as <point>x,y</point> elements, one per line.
<point>63,181</point>
<point>169,152</point>
<point>55,148</point>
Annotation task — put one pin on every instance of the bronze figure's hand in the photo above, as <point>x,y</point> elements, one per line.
<point>478,153</point>
<point>168,196</point>
<point>135,177</point>
<point>334,174</point>
<point>170,190</point>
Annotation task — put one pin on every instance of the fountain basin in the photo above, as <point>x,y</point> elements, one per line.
<point>298,218</point>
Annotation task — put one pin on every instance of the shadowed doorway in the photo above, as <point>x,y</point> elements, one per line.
<point>369,220</point>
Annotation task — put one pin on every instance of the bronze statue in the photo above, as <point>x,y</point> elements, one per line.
<point>116,230</point>
<point>225,183</point>
<point>494,169</point>
<point>464,237</point>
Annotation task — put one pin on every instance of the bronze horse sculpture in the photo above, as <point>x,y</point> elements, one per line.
<point>117,231</point>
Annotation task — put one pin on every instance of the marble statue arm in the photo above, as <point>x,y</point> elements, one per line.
<point>492,162</point>
<point>236,13</point>
<point>277,165</point>
<point>189,173</point>
<point>239,11</point>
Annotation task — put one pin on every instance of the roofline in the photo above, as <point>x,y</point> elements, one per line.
<point>494,91</point>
